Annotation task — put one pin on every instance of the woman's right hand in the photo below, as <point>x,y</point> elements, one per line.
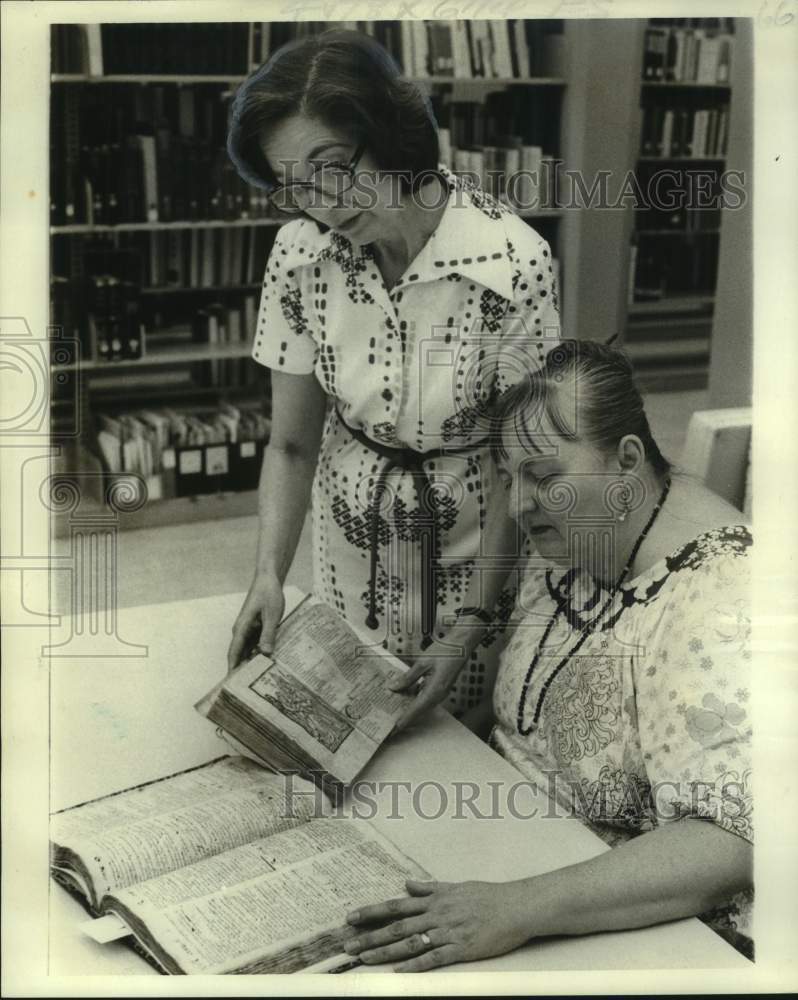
<point>257,620</point>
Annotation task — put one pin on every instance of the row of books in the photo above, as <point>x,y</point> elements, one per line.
<point>188,48</point>
<point>114,329</point>
<point>96,300</point>
<point>102,315</point>
<point>204,258</point>
<point>687,55</point>
<point>112,323</point>
<point>144,154</point>
<point>684,132</point>
<point>185,454</point>
<point>107,114</point>
<point>506,118</point>
<point>196,258</point>
<point>466,49</point>
<point>461,49</point>
<point>519,175</point>
<point>658,272</point>
<point>218,324</point>
<point>150,178</point>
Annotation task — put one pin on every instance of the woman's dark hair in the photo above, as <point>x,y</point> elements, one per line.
<point>348,81</point>
<point>588,392</point>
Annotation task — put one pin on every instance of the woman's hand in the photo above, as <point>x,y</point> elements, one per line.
<point>461,921</point>
<point>257,620</point>
<point>434,670</point>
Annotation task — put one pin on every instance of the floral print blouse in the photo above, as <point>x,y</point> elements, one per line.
<point>650,721</point>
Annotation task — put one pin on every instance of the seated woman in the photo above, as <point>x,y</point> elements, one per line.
<point>623,690</point>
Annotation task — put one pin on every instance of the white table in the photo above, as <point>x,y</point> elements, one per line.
<point>119,722</point>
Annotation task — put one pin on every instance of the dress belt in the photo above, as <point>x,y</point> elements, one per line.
<point>409,460</point>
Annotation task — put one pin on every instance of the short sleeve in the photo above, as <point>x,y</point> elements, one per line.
<point>693,698</point>
<point>283,339</point>
<point>532,321</point>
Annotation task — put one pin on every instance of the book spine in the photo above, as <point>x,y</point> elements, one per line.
<point>667,132</point>
<point>723,73</point>
<point>71,155</point>
<point>94,50</point>
<point>407,60</point>
<point>149,157</point>
<point>689,134</point>
<point>462,58</point>
<point>501,40</point>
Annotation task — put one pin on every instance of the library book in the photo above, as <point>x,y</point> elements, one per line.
<point>226,869</point>
<point>319,705</point>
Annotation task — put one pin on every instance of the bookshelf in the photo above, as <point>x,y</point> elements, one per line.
<point>475,81</point>
<point>685,77</point>
<point>152,254</point>
<point>84,229</point>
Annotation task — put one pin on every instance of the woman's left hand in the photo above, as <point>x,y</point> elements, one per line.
<point>440,923</point>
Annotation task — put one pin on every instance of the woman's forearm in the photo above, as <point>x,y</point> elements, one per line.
<point>283,499</point>
<point>679,870</point>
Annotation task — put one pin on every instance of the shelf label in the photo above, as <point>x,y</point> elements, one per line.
<point>248,449</point>
<point>154,488</point>
<point>168,458</point>
<point>190,462</point>
<point>216,463</point>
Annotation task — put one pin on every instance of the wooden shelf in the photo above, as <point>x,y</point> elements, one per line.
<point>685,83</point>
<point>493,81</point>
<point>188,78</point>
<point>178,510</point>
<point>678,232</point>
<point>681,304</point>
<point>672,378</point>
<point>133,227</point>
<point>185,396</point>
<point>680,159</point>
<point>539,213</point>
<point>502,81</point>
<point>662,326</point>
<point>191,289</point>
<point>673,350</point>
<point>172,356</point>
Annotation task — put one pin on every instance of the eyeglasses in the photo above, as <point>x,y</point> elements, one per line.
<point>324,187</point>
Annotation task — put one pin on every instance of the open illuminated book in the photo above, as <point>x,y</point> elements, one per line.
<point>320,704</point>
<point>227,868</point>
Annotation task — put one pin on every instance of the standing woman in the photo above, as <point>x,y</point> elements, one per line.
<point>395,307</point>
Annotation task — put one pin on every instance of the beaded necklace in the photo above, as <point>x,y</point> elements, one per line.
<point>585,631</point>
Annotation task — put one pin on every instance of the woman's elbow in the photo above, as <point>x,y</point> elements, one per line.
<point>731,858</point>
<point>295,450</point>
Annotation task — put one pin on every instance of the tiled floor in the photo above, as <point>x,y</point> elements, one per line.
<point>216,557</point>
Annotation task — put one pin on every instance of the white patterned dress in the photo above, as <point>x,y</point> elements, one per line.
<point>413,368</point>
<point>651,720</point>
